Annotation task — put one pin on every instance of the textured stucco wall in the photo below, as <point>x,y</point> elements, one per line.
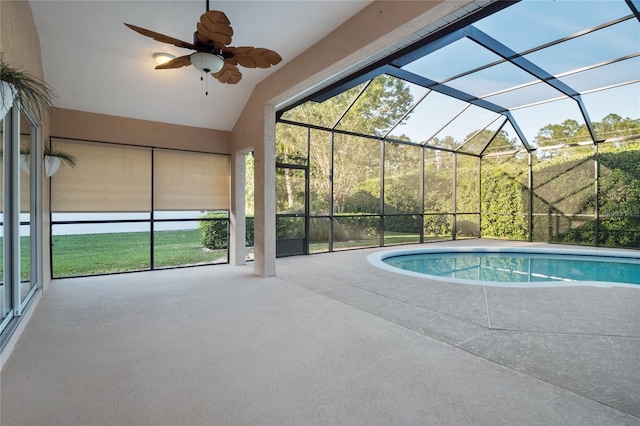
<point>19,39</point>
<point>108,128</point>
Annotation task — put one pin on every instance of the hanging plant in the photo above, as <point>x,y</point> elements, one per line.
<point>65,157</point>
<point>53,159</point>
<point>32,93</point>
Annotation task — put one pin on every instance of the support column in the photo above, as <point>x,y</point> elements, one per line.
<point>237,254</point>
<point>265,198</point>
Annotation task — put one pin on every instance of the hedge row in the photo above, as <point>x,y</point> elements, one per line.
<point>563,192</point>
<point>214,234</point>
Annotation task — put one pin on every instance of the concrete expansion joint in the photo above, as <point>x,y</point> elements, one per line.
<point>459,344</point>
<point>561,333</point>
<point>464,321</point>
<point>365,281</point>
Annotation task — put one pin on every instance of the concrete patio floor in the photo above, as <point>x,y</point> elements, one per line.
<point>330,340</point>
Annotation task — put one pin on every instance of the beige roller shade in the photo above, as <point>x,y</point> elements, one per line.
<point>25,195</point>
<point>190,181</point>
<point>107,178</point>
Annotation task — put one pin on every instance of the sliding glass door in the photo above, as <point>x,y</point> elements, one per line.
<point>20,214</point>
<point>5,292</point>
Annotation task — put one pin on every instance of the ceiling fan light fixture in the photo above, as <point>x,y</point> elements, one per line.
<point>206,62</point>
<point>213,52</point>
<point>163,58</point>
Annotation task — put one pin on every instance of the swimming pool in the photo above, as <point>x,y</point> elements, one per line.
<point>516,266</point>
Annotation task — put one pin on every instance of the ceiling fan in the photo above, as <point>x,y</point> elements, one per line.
<point>212,51</point>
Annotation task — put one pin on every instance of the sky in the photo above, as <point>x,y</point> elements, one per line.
<point>525,25</point>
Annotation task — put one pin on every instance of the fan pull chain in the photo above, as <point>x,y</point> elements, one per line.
<point>206,83</point>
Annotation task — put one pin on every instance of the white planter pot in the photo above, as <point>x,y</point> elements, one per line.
<point>25,162</point>
<point>51,165</point>
<point>7,95</point>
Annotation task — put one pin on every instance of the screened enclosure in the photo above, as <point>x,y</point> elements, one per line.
<point>521,122</point>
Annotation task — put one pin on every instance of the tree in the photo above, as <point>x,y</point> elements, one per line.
<point>499,141</point>
<point>402,178</point>
<point>381,105</point>
<point>566,132</point>
<point>448,142</point>
<point>614,125</point>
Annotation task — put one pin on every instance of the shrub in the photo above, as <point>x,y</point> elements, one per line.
<point>289,227</point>
<point>403,224</point>
<point>345,228</point>
<point>437,225</point>
<point>248,237</point>
<point>319,230</point>
<point>214,234</point>
<point>357,227</point>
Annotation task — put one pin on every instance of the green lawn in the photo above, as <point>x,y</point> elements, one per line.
<point>76,255</point>
<point>175,248</point>
<point>25,258</point>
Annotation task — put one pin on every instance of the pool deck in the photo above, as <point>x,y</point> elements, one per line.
<point>330,340</point>
<point>585,339</point>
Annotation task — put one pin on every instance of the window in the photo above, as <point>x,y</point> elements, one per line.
<point>130,208</point>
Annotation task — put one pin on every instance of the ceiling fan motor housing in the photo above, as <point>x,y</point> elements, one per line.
<point>207,62</point>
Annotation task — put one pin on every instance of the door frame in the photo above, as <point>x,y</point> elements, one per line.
<point>295,246</point>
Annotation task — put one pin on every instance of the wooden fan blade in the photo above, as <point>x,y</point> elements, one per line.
<point>215,26</point>
<point>161,37</point>
<point>229,74</point>
<point>182,61</point>
<point>254,57</point>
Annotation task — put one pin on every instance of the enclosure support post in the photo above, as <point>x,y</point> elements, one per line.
<point>530,195</point>
<point>422,186</point>
<point>480,197</point>
<point>307,198</point>
<point>381,205</point>
<point>454,230</point>
<point>596,156</point>
<point>331,191</point>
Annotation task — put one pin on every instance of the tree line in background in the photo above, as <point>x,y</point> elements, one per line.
<point>564,196</point>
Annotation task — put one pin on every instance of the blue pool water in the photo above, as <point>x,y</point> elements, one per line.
<point>515,267</point>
